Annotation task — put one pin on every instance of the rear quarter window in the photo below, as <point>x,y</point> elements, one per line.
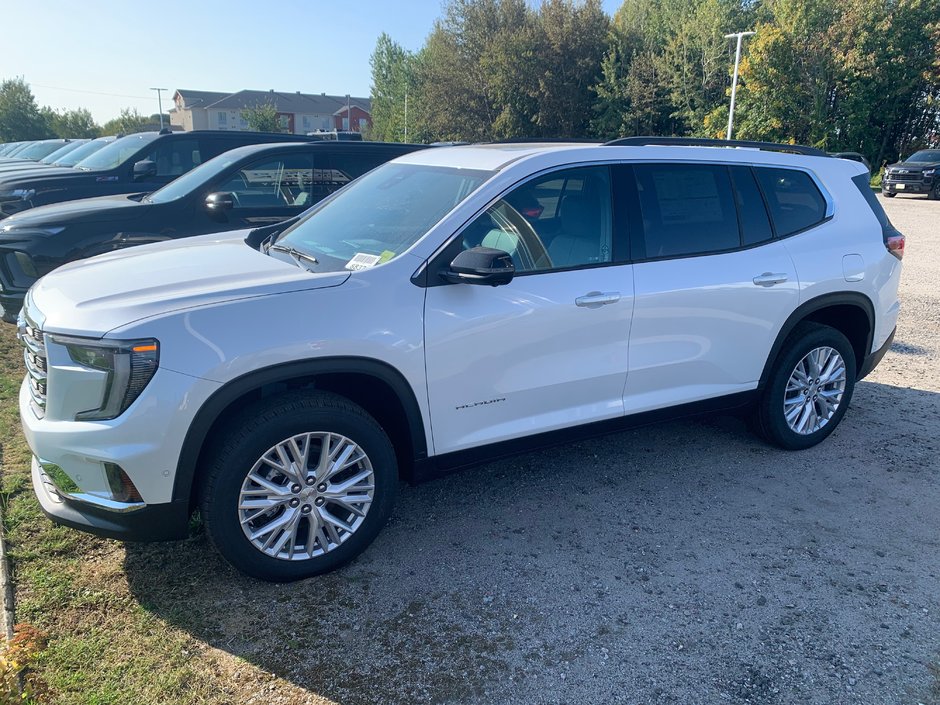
<point>793,199</point>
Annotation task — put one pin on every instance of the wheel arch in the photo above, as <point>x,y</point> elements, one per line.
<point>850,312</point>
<point>376,386</point>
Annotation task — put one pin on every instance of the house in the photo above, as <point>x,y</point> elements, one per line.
<point>298,112</point>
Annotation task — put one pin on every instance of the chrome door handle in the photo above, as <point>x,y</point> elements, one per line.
<point>596,299</point>
<point>769,279</point>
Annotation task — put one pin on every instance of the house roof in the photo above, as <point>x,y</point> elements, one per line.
<point>198,99</point>
<point>283,102</point>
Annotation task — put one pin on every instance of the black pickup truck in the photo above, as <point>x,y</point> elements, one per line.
<point>916,174</point>
<point>137,163</point>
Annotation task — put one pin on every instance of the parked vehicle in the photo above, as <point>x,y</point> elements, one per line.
<point>916,174</point>
<point>341,135</point>
<point>36,151</point>
<point>244,187</point>
<point>9,147</point>
<point>136,163</point>
<point>17,148</point>
<point>853,156</point>
<point>283,379</point>
<point>17,164</point>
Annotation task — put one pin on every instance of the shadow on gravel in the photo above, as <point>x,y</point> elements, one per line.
<point>908,349</point>
<point>686,562</point>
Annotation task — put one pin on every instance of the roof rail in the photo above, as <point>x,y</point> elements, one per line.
<point>706,142</point>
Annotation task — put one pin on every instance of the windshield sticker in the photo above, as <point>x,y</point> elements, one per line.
<point>386,256</point>
<point>362,261</point>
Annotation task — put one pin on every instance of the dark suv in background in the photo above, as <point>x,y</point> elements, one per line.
<point>137,163</point>
<point>243,188</point>
<point>916,174</point>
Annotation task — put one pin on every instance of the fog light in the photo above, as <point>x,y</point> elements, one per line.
<point>121,486</point>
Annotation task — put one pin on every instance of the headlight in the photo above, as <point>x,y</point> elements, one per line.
<point>130,365</point>
<point>929,172</point>
<point>17,194</point>
<point>22,269</point>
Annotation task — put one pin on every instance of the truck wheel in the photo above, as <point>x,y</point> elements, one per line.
<point>298,485</point>
<point>809,388</point>
<point>934,193</point>
<point>888,195</point>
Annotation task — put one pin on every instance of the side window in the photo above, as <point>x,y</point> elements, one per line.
<point>687,209</point>
<point>794,201</point>
<point>553,222</point>
<point>347,166</point>
<point>175,157</point>
<point>755,225</point>
<point>273,182</point>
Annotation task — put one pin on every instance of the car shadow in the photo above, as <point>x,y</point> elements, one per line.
<point>686,560</point>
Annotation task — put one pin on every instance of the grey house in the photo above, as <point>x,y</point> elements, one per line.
<point>299,113</point>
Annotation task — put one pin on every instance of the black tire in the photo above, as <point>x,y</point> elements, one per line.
<point>771,421</point>
<point>251,435</point>
<point>934,193</point>
<point>889,195</point>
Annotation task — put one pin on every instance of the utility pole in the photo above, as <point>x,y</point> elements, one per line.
<point>734,81</point>
<point>160,102</point>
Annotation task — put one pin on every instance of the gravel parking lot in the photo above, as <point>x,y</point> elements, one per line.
<point>682,563</point>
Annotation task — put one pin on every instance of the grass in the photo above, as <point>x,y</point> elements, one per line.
<point>101,645</point>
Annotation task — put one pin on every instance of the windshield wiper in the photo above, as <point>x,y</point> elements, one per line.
<point>298,256</point>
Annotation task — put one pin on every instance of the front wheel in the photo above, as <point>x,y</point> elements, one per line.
<point>889,195</point>
<point>299,485</point>
<point>809,387</point>
<point>934,193</point>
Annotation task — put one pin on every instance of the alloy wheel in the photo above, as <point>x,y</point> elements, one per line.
<point>814,390</point>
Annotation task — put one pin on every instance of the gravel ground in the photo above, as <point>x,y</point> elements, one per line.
<point>682,563</point>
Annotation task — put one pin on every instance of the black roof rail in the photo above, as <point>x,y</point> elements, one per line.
<point>707,142</point>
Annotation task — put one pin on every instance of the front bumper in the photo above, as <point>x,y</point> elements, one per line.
<point>143,522</point>
<point>889,185</point>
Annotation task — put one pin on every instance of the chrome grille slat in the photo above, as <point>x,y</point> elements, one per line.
<point>34,357</point>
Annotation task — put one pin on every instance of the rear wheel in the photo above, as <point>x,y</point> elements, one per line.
<point>809,388</point>
<point>299,485</point>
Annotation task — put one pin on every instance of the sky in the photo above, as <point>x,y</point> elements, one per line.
<point>107,55</point>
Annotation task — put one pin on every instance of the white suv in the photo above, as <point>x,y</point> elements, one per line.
<point>451,306</point>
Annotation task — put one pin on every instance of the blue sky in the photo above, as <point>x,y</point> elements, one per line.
<point>73,53</point>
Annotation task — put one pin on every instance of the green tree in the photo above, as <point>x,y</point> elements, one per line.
<point>20,118</point>
<point>569,46</point>
<point>262,118</point>
<point>128,122</point>
<point>71,123</point>
<point>393,83</point>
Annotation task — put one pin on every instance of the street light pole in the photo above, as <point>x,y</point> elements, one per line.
<point>734,81</point>
<point>160,102</point>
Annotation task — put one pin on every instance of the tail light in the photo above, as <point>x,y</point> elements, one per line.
<point>895,245</point>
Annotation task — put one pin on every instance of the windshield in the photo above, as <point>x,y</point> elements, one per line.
<point>925,155</point>
<point>117,152</point>
<point>62,151</point>
<point>19,149</point>
<point>76,155</point>
<point>193,179</point>
<point>40,150</point>
<point>380,215</point>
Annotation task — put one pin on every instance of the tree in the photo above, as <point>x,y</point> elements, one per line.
<point>20,118</point>
<point>128,122</point>
<point>393,82</point>
<point>71,123</point>
<point>262,117</point>
<point>570,40</point>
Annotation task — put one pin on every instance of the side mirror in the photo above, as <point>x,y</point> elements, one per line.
<point>481,265</point>
<point>220,201</point>
<point>145,168</point>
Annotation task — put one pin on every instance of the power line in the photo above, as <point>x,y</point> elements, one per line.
<point>76,90</point>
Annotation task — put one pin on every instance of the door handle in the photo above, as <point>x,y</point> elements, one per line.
<point>769,279</point>
<point>596,299</point>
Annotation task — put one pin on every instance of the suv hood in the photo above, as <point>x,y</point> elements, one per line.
<point>94,296</point>
<point>32,178</point>
<point>914,166</point>
<point>88,210</point>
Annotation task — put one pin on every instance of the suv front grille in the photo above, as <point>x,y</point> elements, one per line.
<point>34,356</point>
<point>906,177</point>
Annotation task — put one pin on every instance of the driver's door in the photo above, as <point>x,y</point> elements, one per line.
<point>549,349</point>
<point>271,189</point>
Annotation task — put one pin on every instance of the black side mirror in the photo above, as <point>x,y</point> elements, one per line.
<point>220,201</point>
<point>481,265</point>
<point>145,168</point>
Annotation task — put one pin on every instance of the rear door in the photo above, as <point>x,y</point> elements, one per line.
<point>713,286</point>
